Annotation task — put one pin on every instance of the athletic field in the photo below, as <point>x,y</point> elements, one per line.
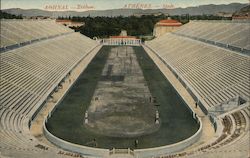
<point>121,90</point>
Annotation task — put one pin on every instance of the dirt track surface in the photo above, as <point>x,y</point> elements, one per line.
<point>122,104</point>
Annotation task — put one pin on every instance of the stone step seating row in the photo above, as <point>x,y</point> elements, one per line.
<point>230,33</point>
<point>14,64</point>
<point>237,135</point>
<point>191,60</point>
<point>29,151</point>
<point>228,128</point>
<point>226,60</point>
<point>184,64</point>
<point>216,74</point>
<point>11,92</point>
<point>247,111</point>
<point>220,83</point>
<point>240,121</point>
<point>12,141</point>
<point>223,28</point>
<point>27,73</point>
<point>242,129</point>
<point>21,31</point>
<point>199,60</point>
<point>221,72</point>
<point>18,87</point>
<point>234,130</point>
<point>232,146</point>
<point>12,117</point>
<point>193,50</point>
<point>196,29</point>
<point>212,71</point>
<point>15,91</point>
<point>17,140</point>
<point>39,154</point>
<point>232,91</point>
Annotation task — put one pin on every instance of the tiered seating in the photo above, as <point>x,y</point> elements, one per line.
<point>227,33</point>
<point>233,142</point>
<point>28,75</point>
<point>29,72</point>
<point>18,32</point>
<point>215,74</point>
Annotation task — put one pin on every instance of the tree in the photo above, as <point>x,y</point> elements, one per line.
<point>4,15</point>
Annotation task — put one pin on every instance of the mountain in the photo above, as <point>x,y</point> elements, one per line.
<point>198,10</point>
<point>245,11</point>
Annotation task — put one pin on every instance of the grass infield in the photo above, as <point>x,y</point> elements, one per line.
<point>176,121</point>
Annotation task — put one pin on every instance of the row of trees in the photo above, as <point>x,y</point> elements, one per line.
<point>4,15</point>
<point>136,26</point>
<point>109,26</point>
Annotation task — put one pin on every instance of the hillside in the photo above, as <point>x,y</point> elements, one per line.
<point>245,11</point>
<point>198,10</point>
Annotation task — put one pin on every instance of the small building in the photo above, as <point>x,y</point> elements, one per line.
<point>122,40</point>
<point>165,26</point>
<point>38,17</point>
<point>242,15</point>
<point>224,14</point>
<point>70,23</point>
<point>123,33</point>
<point>245,18</point>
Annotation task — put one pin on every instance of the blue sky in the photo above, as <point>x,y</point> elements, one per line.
<point>80,5</point>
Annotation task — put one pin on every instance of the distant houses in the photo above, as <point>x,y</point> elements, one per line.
<point>242,15</point>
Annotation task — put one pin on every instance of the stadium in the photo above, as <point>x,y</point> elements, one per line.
<point>181,95</point>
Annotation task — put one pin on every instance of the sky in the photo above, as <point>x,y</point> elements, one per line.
<point>82,5</point>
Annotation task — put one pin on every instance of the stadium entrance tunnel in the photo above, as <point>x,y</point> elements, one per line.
<point>122,100</point>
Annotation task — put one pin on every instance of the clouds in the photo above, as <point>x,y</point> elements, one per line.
<point>109,4</point>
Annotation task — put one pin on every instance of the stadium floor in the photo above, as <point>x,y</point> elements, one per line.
<point>176,121</point>
<point>122,105</point>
